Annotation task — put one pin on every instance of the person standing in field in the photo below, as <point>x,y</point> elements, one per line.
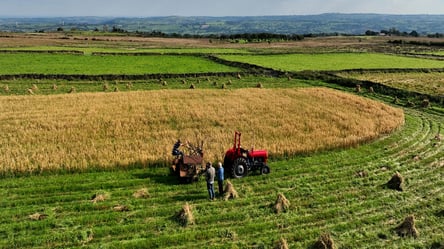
<point>176,151</point>
<point>210,174</point>
<point>220,178</point>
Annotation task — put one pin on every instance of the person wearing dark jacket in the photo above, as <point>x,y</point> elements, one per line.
<point>176,151</point>
<point>220,178</point>
<point>210,174</point>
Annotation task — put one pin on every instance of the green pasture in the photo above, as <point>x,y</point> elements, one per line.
<point>29,63</point>
<point>325,191</point>
<point>46,86</point>
<point>334,61</point>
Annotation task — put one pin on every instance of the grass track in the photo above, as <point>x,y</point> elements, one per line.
<point>324,191</point>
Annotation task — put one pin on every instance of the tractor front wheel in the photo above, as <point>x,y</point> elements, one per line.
<point>265,170</point>
<point>240,168</point>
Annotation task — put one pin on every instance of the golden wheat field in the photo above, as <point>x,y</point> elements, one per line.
<point>106,130</point>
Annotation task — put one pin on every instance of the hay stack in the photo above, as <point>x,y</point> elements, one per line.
<point>230,192</point>
<point>141,193</point>
<point>396,182</point>
<point>54,87</point>
<point>185,216</point>
<point>407,228</point>
<point>358,88</point>
<point>281,244</point>
<point>6,88</point>
<point>281,204</point>
<point>324,242</point>
<point>192,86</point>
<point>30,91</point>
<point>38,216</point>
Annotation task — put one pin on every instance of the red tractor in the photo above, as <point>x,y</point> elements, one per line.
<point>240,161</point>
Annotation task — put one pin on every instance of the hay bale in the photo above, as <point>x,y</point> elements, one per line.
<point>362,173</point>
<point>259,85</point>
<point>121,208</point>
<point>6,88</point>
<point>98,198</point>
<point>105,87</point>
<point>72,90</point>
<point>116,89</point>
<point>38,216</point>
<point>192,86</point>
<point>407,228</point>
<point>141,193</point>
<point>281,244</point>
<point>184,82</point>
<point>185,215</point>
<point>223,86</point>
<point>358,88</point>
<point>395,182</point>
<point>281,204</point>
<point>30,91</point>
<point>164,83</point>
<point>230,192</point>
<point>324,242</point>
<point>425,103</point>
<point>54,87</point>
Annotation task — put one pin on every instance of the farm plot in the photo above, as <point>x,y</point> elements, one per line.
<point>426,83</point>
<point>109,130</point>
<point>333,61</point>
<point>27,63</point>
<point>339,192</point>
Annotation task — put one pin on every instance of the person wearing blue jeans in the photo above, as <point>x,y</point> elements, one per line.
<point>210,174</point>
<point>220,178</point>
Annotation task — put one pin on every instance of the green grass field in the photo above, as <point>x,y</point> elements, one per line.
<point>93,65</point>
<point>333,61</point>
<point>324,190</point>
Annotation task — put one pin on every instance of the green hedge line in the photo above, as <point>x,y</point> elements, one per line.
<point>73,52</point>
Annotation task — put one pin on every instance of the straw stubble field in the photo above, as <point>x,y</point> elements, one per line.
<point>104,130</point>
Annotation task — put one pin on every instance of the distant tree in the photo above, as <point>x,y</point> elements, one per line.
<point>59,29</point>
<point>414,33</point>
<point>371,33</point>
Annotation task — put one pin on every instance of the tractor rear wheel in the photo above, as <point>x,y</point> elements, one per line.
<point>240,168</point>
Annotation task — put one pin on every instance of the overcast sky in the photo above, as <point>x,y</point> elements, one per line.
<point>146,8</point>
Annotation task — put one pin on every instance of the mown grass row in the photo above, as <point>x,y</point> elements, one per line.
<point>325,192</point>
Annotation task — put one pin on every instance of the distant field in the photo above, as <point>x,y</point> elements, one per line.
<point>105,130</point>
<point>93,65</point>
<point>129,49</point>
<point>427,83</point>
<point>334,61</point>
